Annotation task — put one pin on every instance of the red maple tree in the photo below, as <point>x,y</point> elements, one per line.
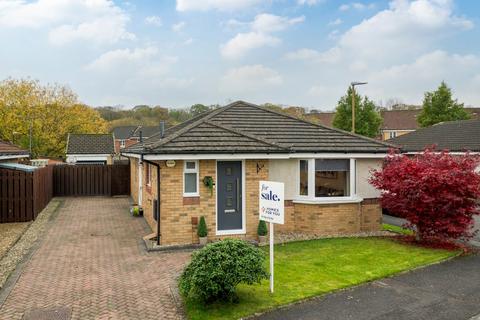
<point>436,192</point>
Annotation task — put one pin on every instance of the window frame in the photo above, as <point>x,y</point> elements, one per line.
<point>148,175</point>
<point>392,134</point>
<point>197,172</point>
<point>310,198</point>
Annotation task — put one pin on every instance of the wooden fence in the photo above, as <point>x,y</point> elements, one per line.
<point>91,180</point>
<point>23,195</point>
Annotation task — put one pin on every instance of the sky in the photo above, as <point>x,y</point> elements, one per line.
<point>290,52</point>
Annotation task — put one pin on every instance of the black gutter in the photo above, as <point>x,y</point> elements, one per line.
<point>157,207</point>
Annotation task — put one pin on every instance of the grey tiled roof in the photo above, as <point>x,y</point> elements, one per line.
<point>242,127</point>
<point>9,149</point>
<point>147,131</point>
<point>124,132</point>
<point>90,144</point>
<point>456,136</point>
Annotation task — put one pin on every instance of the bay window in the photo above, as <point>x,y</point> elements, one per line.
<point>332,177</point>
<point>325,180</point>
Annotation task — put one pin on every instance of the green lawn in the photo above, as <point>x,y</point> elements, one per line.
<point>310,268</point>
<point>396,229</point>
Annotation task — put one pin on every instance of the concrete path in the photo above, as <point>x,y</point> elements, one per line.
<point>450,291</point>
<point>92,265</point>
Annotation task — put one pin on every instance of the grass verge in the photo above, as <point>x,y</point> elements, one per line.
<point>306,269</point>
<point>397,229</point>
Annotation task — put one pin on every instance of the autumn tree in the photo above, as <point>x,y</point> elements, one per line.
<point>49,111</point>
<point>367,118</point>
<point>439,106</point>
<point>435,191</point>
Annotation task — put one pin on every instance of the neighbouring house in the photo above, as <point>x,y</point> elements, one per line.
<point>11,153</point>
<point>454,136</point>
<point>325,172</point>
<point>395,122</point>
<point>90,148</point>
<point>125,136</point>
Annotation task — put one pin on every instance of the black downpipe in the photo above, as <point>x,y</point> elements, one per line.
<point>157,207</point>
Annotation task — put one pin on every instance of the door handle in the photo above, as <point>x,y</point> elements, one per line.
<point>238,195</point>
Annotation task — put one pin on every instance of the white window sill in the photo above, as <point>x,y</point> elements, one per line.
<point>229,232</point>
<point>191,195</point>
<point>332,200</point>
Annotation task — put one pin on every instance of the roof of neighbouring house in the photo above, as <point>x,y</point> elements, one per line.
<point>392,119</point>
<point>90,143</point>
<point>18,167</point>
<point>127,132</point>
<point>124,132</point>
<point>9,149</point>
<point>324,118</point>
<point>456,136</point>
<point>147,131</point>
<point>241,127</point>
<point>400,119</point>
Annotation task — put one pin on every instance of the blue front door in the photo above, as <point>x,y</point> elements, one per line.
<point>229,195</point>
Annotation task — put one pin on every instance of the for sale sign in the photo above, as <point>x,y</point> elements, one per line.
<point>271,202</point>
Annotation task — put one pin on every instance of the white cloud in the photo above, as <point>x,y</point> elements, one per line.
<point>309,2</point>
<point>242,43</point>
<point>222,5</point>
<point>100,21</point>
<point>403,31</point>
<point>267,23</point>
<point>335,22</point>
<point>250,78</point>
<point>260,35</point>
<point>356,6</point>
<point>177,27</point>
<point>187,42</point>
<point>425,74</point>
<point>331,56</point>
<point>333,35</point>
<point>154,20</point>
<point>115,58</point>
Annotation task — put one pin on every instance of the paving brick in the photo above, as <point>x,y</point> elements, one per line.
<point>92,261</point>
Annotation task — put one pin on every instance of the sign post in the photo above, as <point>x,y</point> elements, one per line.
<point>271,208</point>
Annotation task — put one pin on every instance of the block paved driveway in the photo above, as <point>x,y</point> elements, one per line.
<point>93,262</point>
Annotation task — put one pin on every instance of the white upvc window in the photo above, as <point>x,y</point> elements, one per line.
<point>326,180</point>
<point>392,134</point>
<point>122,143</point>
<point>190,178</point>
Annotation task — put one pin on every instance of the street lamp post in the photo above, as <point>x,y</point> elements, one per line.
<point>353,84</point>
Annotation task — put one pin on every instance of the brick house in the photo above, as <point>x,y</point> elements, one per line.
<point>126,136</point>
<point>11,153</point>
<point>325,172</point>
<point>90,148</point>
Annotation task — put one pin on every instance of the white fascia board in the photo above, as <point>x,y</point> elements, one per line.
<point>211,156</point>
<point>14,156</point>
<point>438,152</point>
<point>78,155</point>
<point>130,155</point>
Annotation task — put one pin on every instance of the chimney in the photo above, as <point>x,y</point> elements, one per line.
<point>140,136</point>
<point>162,129</point>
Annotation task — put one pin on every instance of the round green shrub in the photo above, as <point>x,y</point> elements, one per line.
<point>217,269</point>
<point>262,228</point>
<point>202,230</point>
